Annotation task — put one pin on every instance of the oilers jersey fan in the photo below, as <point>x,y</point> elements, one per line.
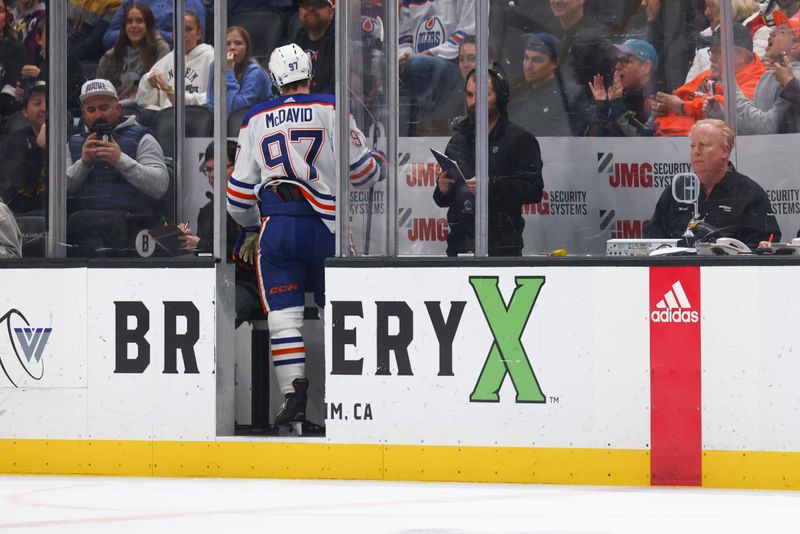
<point>435,27</point>
<point>285,178</point>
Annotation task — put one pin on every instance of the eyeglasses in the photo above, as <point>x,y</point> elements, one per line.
<point>624,60</point>
<point>205,170</point>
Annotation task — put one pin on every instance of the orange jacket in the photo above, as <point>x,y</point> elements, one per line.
<point>694,95</point>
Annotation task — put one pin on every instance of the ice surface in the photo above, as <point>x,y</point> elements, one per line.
<point>120,505</point>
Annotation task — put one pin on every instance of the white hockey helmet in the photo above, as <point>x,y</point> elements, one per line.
<point>289,64</point>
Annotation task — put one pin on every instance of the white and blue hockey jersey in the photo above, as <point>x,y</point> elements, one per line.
<point>289,140</point>
<point>435,26</point>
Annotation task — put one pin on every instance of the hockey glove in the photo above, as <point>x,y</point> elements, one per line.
<point>247,252</point>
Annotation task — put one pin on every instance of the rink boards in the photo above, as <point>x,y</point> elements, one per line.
<point>625,375</point>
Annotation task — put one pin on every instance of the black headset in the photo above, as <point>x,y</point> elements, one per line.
<point>501,88</point>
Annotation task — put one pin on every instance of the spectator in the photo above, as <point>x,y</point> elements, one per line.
<point>26,16</point>
<point>441,120</point>
<point>39,70</point>
<point>136,51</point>
<point>515,176</point>
<point>675,113</point>
<point>248,304</point>
<point>247,83</point>
<point>114,180</point>
<point>163,14</point>
<point>156,88</point>
<point>728,199</point>
<point>10,236</point>
<point>13,57</point>
<point>785,75</point>
<point>584,43</point>
<point>702,59</point>
<point>430,34</point>
<point>203,240</point>
<point>791,8</point>
<point>767,112</point>
<point>670,29</point>
<point>545,104</point>
<point>317,36</point>
<point>467,56</point>
<point>745,12</point>
<point>24,156</point>
<point>624,109</point>
<point>749,15</point>
<point>87,21</point>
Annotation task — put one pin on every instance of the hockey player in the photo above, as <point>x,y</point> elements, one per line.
<point>286,164</point>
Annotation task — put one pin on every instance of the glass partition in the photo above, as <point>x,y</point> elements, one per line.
<point>367,72</point>
<point>766,114</point>
<point>24,176</point>
<point>608,91</point>
<point>120,169</point>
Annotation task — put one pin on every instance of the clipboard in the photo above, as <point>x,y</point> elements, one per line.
<point>168,238</point>
<point>449,166</point>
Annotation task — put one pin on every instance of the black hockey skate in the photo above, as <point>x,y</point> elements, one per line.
<point>293,412</point>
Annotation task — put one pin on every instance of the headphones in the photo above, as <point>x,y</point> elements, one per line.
<point>501,88</point>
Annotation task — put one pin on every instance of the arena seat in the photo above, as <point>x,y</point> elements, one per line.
<point>265,29</point>
<point>199,123</point>
<point>235,121</point>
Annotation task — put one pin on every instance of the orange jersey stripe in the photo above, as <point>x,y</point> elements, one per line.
<point>280,352</point>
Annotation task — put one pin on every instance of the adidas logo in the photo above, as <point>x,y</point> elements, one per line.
<point>674,307</point>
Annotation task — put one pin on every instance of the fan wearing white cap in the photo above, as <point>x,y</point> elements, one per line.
<point>286,181</point>
<point>115,168</point>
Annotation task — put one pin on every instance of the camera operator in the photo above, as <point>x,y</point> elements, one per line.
<point>515,175</point>
<point>116,175</point>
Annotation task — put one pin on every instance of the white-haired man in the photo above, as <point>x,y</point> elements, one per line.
<point>728,199</point>
<point>285,178</point>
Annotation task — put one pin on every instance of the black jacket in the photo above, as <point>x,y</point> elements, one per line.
<point>737,201</point>
<point>12,58</point>
<point>555,109</point>
<point>23,172</point>
<point>205,227</point>
<point>628,116</point>
<point>515,178</point>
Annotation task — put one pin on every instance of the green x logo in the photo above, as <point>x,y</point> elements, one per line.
<point>507,323</point>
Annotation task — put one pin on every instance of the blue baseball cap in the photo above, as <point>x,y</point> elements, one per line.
<point>640,49</point>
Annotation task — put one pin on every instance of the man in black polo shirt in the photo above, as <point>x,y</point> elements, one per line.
<point>728,199</point>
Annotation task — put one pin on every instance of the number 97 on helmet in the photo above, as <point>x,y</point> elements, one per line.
<point>289,64</point>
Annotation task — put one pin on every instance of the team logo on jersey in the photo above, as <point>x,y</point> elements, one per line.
<point>429,34</point>
<point>22,355</point>
<point>372,28</point>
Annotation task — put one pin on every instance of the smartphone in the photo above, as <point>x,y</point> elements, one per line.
<point>103,130</point>
<point>784,58</point>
